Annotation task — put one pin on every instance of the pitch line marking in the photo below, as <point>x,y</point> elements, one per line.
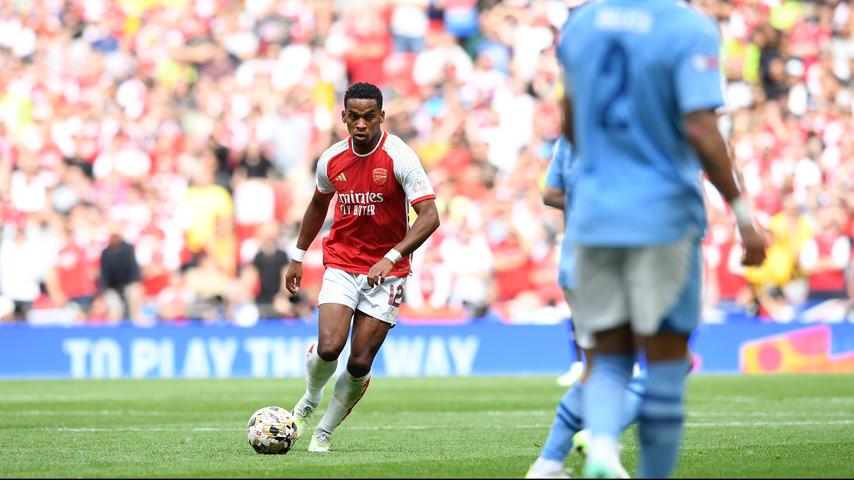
<point>491,413</point>
<point>154,428</point>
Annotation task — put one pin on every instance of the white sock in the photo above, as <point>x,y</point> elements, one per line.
<point>317,373</point>
<point>348,391</point>
<point>546,465</point>
<point>603,449</point>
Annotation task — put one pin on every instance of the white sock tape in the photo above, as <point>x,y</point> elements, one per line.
<point>742,213</point>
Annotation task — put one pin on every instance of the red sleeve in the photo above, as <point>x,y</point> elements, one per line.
<point>421,199</point>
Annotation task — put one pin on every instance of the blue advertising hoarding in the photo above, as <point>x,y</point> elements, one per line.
<point>270,350</point>
<point>276,349</point>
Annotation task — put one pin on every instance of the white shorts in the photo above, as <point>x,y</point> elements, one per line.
<point>583,338</point>
<point>653,288</point>
<point>351,289</point>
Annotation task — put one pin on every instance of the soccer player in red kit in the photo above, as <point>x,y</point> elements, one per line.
<point>376,176</point>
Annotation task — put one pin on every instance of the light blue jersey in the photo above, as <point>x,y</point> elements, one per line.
<point>633,69</point>
<point>559,176</point>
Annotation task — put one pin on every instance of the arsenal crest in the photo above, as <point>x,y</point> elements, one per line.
<point>380,175</point>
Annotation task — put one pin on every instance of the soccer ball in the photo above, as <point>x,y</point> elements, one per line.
<point>271,430</point>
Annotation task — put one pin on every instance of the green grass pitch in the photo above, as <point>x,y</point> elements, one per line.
<point>737,426</point>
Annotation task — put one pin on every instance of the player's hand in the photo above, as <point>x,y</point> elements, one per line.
<point>754,246</point>
<point>293,277</point>
<point>379,272</point>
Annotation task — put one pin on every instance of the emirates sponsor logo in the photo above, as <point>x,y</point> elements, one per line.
<point>360,197</point>
<point>359,203</point>
<point>380,176</point>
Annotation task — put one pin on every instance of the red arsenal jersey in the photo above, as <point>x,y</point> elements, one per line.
<point>832,245</point>
<point>76,274</point>
<point>372,209</point>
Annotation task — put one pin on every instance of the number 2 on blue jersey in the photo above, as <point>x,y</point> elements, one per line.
<point>615,63</point>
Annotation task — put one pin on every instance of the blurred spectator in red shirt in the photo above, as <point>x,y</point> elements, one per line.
<point>826,258</point>
<point>73,277</point>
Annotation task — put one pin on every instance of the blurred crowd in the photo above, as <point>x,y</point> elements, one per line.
<point>156,156</point>
<point>790,101</point>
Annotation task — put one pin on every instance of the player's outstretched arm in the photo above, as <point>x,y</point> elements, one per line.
<point>312,221</point>
<point>424,226</point>
<point>701,128</point>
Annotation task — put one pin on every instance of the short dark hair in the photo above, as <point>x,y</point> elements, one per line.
<point>364,90</point>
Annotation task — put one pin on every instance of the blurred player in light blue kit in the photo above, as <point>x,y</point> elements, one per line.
<point>558,179</point>
<point>569,416</point>
<point>643,83</point>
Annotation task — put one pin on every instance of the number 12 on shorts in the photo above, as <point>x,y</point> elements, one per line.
<point>395,294</point>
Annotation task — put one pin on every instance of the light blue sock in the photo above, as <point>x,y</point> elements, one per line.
<point>661,418</point>
<point>604,394</point>
<point>632,402</point>
<point>568,421</point>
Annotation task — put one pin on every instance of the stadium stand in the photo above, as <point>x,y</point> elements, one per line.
<point>190,128</point>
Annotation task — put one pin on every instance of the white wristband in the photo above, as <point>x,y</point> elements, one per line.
<point>298,255</point>
<point>393,255</point>
<point>743,217</point>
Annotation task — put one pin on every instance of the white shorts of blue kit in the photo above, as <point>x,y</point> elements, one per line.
<point>654,288</point>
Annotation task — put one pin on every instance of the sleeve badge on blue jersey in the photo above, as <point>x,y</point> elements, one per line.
<point>704,62</point>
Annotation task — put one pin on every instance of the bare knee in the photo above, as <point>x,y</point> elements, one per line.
<point>588,365</point>
<point>616,340</point>
<point>359,365</point>
<point>329,351</point>
<point>665,347</point>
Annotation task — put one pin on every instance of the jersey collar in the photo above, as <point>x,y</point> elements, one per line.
<point>382,139</point>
